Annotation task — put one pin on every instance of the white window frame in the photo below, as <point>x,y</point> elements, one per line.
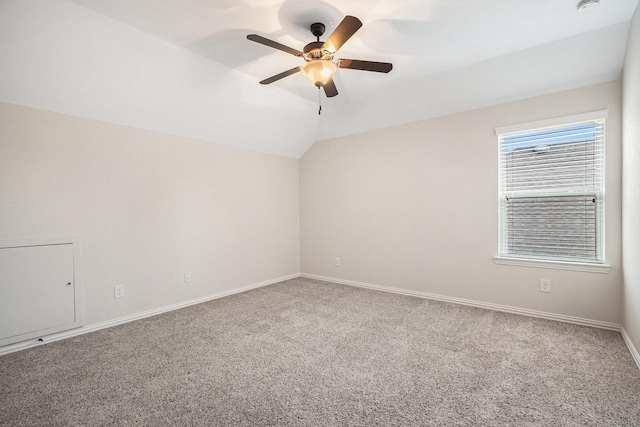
<point>504,258</point>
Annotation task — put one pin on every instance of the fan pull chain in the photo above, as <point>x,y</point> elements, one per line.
<point>319,101</point>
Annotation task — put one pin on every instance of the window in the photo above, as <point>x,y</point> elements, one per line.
<point>551,190</point>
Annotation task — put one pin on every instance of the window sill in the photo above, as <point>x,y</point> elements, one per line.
<point>556,265</point>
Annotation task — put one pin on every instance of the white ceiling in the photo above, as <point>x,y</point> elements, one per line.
<point>184,67</point>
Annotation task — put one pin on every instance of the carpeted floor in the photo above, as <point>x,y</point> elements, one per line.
<point>307,353</point>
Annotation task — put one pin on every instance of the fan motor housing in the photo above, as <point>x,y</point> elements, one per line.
<point>314,51</point>
<point>313,46</point>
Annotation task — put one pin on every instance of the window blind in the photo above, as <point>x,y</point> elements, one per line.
<point>552,193</point>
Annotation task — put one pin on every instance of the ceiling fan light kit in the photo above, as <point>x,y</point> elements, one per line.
<point>320,65</point>
<point>319,72</point>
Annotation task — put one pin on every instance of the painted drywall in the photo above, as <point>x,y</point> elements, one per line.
<point>59,56</point>
<point>147,207</point>
<point>631,183</point>
<point>517,75</point>
<point>414,207</point>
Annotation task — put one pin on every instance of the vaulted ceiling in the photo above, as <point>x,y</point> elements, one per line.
<point>185,67</point>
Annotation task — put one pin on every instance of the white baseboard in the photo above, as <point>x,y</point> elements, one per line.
<point>137,316</point>
<point>630,346</point>
<point>473,303</point>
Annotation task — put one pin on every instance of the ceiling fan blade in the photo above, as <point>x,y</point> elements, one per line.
<point>262,40</point>
<point>355,64</point>
<point>280,76</point>
<point>330,88</point>
<point>342,33</point>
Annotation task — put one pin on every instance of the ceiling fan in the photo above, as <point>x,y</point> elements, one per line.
<point>320,65</point>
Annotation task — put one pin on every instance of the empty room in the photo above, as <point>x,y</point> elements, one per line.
<point>332,213</point>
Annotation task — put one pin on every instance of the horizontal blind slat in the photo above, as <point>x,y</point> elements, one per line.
<point>552,186</point>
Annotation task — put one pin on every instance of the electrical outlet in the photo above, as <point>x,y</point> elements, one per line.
<point>337,262</point>
<point>545,285</point>
<point>187,277</point>
<point>118,291</point>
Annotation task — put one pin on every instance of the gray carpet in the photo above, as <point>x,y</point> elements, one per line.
<point>304,352</point>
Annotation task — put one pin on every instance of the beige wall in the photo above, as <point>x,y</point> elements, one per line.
<point>415,207</point>
<point>147,207</point>
<point>631,183</point>
<point>412,207</point>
